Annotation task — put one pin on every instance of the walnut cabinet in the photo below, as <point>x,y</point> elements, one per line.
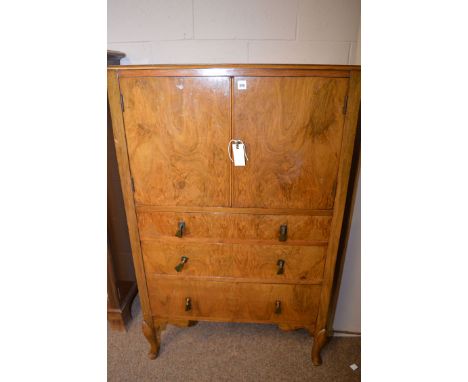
<point>217,242</point>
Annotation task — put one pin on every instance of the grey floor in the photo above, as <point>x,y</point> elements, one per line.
<point>228,352</point>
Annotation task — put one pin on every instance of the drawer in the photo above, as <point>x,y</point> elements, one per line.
<point>300,263</point>
<point>221,227</point>
<point>228,301</point>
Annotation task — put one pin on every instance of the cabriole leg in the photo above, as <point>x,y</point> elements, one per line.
<point>320,338</point>
<point>152,335</point>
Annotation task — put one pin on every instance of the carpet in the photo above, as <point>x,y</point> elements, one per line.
<point>228,352</point>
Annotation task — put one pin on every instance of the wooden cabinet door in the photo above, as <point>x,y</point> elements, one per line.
<point>292,128</point>
<point>177,130</point>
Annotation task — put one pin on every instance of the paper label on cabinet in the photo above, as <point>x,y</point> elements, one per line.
<point>238,151</point>
<point>242,84</point>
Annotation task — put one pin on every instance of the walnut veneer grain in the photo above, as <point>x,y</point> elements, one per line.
<point>172,128</point>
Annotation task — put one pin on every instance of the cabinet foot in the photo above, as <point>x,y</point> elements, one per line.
<point>320,338</point>
<point>153,336</point>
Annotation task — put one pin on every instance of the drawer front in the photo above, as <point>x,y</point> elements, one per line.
<point>299,263</point>
<point>225,226</point>
<point>228,301</point>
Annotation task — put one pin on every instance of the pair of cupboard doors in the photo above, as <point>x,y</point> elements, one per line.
<point>179,128</point>
<point>173,126</point>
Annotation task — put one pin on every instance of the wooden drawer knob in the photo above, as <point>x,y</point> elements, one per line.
<point>180,229</point>
<point>280,265</point>
<point>283,235</point>
<point>188,304</point>
<point>278,307</point>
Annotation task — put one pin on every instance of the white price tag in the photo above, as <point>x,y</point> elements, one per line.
<point>242,84</point>
<point>238,152</point>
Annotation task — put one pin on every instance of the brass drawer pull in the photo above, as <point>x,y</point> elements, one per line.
<point>188,304</point>
<point>278,307</point>
<point>283,236</point>
<point>181,229</point>
<point>179,266</point>
<point>280,265</point>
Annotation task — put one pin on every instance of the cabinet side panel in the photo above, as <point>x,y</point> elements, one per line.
<point>351,121</point>
<point>126,184</point>
<point>117,230</point>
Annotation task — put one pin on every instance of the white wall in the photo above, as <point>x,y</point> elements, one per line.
<point>248,31</point>
<point>234,31</point>
<point>348,309</point>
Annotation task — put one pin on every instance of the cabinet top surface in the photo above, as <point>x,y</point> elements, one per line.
<point>237,66</point>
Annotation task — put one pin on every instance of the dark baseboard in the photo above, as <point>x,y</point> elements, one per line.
<point>118,318</point>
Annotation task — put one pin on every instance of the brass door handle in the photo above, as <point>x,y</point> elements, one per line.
<point>180,229</point>
<point>278,307</point>
<point>188,304</point>
<point>283,236</point>
<point>280,265</point>
<point>179,266</point>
